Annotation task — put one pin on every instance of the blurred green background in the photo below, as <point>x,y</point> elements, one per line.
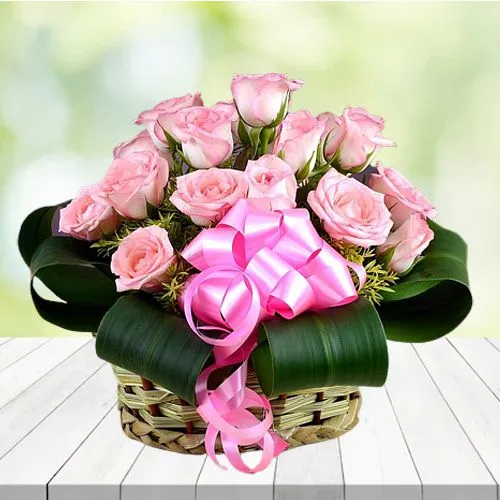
<point>73,76</point>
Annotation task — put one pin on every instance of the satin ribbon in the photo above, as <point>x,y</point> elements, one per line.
<point>254,264</point>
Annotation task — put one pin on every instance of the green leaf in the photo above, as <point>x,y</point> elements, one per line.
<point>36,228</point>
<point>139,336</point>
<point>338,346</point>
<point>71,271</point>
<point>434,297</point>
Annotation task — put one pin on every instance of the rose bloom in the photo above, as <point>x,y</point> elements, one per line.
<point>166,109</point>
<point>271,183</point>
<point>206,195</point>
<point>401,197</point>
<point>231,112</point>
<point>141,142</point>
<point>88,217</point>
<point>350,211</point>
<point>205,134</point>
<point>134,181</point>
<point>351,139</point>
<point>262,100</point>
<point>408,243</point>
<point>297,141</point>
<point>142,260</point>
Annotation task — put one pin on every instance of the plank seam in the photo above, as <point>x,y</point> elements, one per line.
<point>456,418</point>
<point>46,373</point>
<point>492,344</point>
<point>26,354</point>
<point>199,475</point>
<point>74,451</point>
<point>342,469</point>
<point>406,442</point>
<point>474,370</point>
<point>51,412</point>
<point>130,468</point>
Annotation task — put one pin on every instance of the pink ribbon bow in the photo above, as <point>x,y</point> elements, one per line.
<point>255,264</point>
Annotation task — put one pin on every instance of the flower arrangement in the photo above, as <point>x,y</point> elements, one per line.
<point>242,235</point>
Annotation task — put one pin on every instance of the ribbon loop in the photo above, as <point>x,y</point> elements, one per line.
<point>254,264</point>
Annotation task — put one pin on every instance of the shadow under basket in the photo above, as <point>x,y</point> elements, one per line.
<point>157,417</point>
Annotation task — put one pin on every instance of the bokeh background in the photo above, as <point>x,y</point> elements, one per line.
<point>73,76</point>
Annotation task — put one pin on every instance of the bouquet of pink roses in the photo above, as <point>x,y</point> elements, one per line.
<point>244,236</point>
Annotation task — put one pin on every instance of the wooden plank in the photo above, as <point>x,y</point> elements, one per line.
<point>311,471</point>
<point>17,348</point>
<point>37,363</point>
<point>474,405</point>
<point>161,474</point>
<point>483,357</point>
<point>4,340</point>
<point>215,483</point>
<point>21,415</point>
<point>495,341</point>
<point>448,465</point>
<point>98,467</point>
<point>376,461</point>
<point>26,470</point>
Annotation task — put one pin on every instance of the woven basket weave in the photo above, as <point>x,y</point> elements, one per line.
<point>157,417</point>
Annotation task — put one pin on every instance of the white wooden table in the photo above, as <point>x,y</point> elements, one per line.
<point>433,432</point>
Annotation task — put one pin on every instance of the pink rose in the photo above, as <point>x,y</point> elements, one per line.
<point>350,210</point>
<point>297,141</point>
<point>142,260</point>
<point>262,100</point>
<point>350,140</point>
<point>272,182</point>
<point>134,181</point>
<point>229,108</point>
<point>205,134</point>
<point>88,217</point>
<point>141,142</point>
<point>206,195</point>
<point>166,109</point>
<point>401,196</point>
<point>407,242</point>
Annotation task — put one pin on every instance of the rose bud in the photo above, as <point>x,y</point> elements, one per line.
<point>271,183</point>
<point>166,109</point>
<point>297,142</point>
<point>406,244</point>
<point>88,217</point>
<point>401,197</point>
<point>350,141</point>
<point>134,181</point>
<point>207,195</point>
<point>142,260</point>
<point>262,100</point>
<point>204,133</point>
<point>350,211</point>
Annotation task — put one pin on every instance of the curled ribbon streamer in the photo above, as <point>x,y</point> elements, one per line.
<point>253,265</point>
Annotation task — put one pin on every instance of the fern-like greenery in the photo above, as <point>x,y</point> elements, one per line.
<point>178,274</point>
<point>379,278</point>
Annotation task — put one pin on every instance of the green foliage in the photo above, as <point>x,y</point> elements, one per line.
<point>168,298</point>
<point>379,279</point>
<point>337,346</point>
<point>180,229</point>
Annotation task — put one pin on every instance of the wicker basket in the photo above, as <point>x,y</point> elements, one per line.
<point>157,417</point>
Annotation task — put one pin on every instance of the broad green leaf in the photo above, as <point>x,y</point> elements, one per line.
<point>434,298</point>
<point>71,271</point>
<point>36,228</point>
<point>338,346</point>
<point>139,336</point>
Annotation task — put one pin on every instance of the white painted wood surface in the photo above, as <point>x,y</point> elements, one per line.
<point>432,434</point>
